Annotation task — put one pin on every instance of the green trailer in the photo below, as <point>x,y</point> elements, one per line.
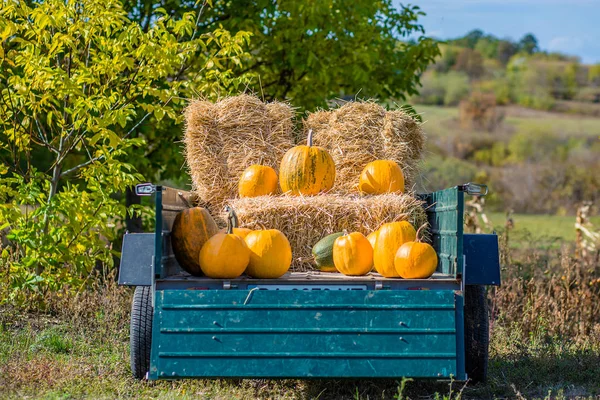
<point>312,324</point>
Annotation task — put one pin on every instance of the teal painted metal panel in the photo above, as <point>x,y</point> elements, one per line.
<point>262,333</point>
<point>445,210</point>
<point>460,337</point>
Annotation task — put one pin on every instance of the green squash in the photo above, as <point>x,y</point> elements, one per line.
<point>323,252</point>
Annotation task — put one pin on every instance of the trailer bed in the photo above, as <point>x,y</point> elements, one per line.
<point>311,280</point>
<point>309,324</point>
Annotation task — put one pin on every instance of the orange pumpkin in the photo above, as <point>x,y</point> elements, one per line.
<point>225,255</point>
<point>191,229</point>
<point>391,236</point>
<point>381,176</point>
<point>306,170</point>
<point>257,180</point>
<point>416,260</point>
<point>353,254</point>
<point>270,254</point>
<point>241,232</point>
<point>372,237</point>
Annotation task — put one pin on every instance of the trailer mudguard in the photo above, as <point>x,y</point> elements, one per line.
<point>136,267</point>
<point>482,259</point>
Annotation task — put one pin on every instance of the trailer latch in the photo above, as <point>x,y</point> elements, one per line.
<point>145,189</point>
<point>474,189</point>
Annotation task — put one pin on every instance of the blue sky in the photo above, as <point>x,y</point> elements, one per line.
<point>568,26</point>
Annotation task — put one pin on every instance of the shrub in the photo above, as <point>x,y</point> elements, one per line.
<point>439,173</point>
<point>479,112</point>
<point>456,88</point>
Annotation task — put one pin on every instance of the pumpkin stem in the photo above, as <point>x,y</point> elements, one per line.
<point>345,232</point>
<point>232,219</point>
<point>310,138</point>
<point>262,226</point>
<point>419,231</point>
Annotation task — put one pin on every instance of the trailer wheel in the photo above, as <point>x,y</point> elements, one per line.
<point>477,333</point>
<point>140,331</point>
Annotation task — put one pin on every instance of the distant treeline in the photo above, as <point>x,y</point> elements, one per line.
<point>515,72</point>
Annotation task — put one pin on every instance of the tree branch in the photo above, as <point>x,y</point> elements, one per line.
<point>85,164</point>
<point>92,160</point>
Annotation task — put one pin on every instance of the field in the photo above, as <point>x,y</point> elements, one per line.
<point>518,117</point>
<point>538,227</point>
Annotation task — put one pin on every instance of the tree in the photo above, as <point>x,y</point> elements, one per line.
<point>77,80</point>
<point>470,62</point>
<point>470,40</point>
<point>487,46</point>
<point>594,75</point>
<point>528,44</point>
<point>312,52</point>
<point>505,50</point>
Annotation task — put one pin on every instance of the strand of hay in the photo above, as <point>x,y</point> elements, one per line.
<point>360,132</point>
<point>306,220</point>
<point>223,139</point>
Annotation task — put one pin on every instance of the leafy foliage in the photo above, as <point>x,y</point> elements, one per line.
<point>310,52</point>
<point>76,81</point>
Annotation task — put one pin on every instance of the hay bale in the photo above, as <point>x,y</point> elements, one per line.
<point>203,152</point>
<point>306,220</point>
<point>360,132</point>
<point>223,139</point>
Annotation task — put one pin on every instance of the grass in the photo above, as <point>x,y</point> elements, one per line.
<point>96,367</point>
<point>538,227</point>
<point>436,119</point>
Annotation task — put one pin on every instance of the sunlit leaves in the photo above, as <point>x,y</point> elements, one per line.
<point>77,80</point>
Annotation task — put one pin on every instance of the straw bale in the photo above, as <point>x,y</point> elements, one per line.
<point>306,220</point>
<point>360,132</point>
<point>223,139</point>
<point>203,146</point>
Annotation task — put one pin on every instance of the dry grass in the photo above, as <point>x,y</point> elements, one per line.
<point>360,132</point>
<point>560,296</point>
<point>223,139</point>
<point>305,220</point>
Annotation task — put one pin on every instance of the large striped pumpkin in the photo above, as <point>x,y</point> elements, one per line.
<point>306,170</point>
<point>191,229</point>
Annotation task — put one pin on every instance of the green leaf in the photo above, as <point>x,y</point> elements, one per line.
<point>159,113</point>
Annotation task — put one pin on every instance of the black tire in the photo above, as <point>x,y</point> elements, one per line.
<point>477,333</point>
<point>140,331</point>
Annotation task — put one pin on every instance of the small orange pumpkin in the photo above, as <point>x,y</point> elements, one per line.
<point>306,170</point>
<point>391,236</point>
<point>381,176</point>
<point>270,253</point>
<point>191,229</point>
<point>353,254</point>
<point>372,237</point>
<point>257,180</point>
<point>225,255</point>
<point>416,260</point>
